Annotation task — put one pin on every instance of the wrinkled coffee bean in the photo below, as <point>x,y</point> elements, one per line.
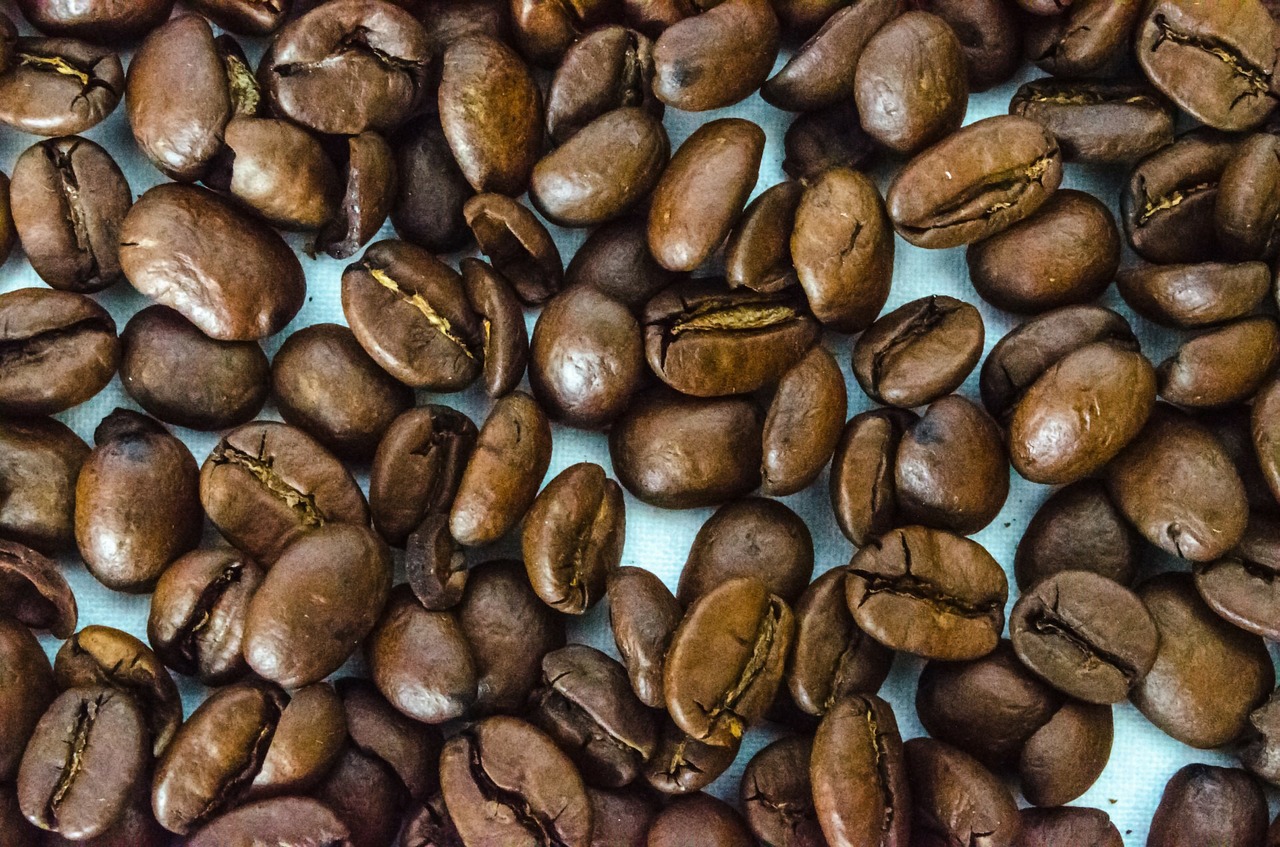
<point>1089,38</point>
<point>643,615</point>
<point>59,86</point>
<point>370,192</point>
<point>919,352</point>
<point>955,800</point>
<point>777,796</point>
<point>1097,122</point>
<point>682,764</point>
<point>753,537</point>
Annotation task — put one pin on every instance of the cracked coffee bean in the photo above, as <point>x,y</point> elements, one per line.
<point>1097,122</point>
<point>682,764</point>
<point>777,797</point>
<point>60,86</point>
<point>955,800</point>
<point>919,352</point>
<point>245,17</point>
<point>608,68</point>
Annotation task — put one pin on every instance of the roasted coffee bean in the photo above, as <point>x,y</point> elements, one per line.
<point>69,200</point>
<point>102,656</point>
<point>803,17</point>
<point>1239,586</point>
<point>34,591</point>
<point>615,260</point>
<point>58,348</point>
<point>431,826</point>
<point>1067,825</point>
<point>1260,753</point>
<point>85,760</point>
<point>215,755</point>
<point>753,537</point>
<point>326,591</point>
<point>862,485</point>
<point>643,615</point>
<point>8,42</point>
<point>266,484</point>
<point>1231,426</point>
<point>495,147</point>
<point>989,37</point>
<point>409,312</point>
<point>586,358</point>
<point>1246,214</point>
<point>1077,529</point>
<point>715,821</point>
<point>431,189</point>
<point>758,252</point>
<point>420,660</point>
<point>1065,253</point>
<point>308,740</point>
<point>287,821</point>
<point>859,779</point>
<point>280,171</point>
<point>1003,169</point>
<point>608,68</point>
<point>1202,804</point>
<point>229,274</point>
<point>911,87</point>
<point>40,459</point>
<point>920,351</point>
<point>619,818</point>
<point>544,31</point>
<point>1097,122</point>
<point>136,827</point>
<point>346,67</point>
<point>1179,488</point>
<point>706,185</point>
<point>506,337</point>
<point>98,20</point>
<point>605,169</point>
<point>517,244</point>
<point>828,138</point>
<point>1221,366</point>
<point>716,58</point>
<point>184,85</point>
<point>1208,675</point>
<point>370,191</point>
<point>1063,758</point>
<point>137,502</point>
<point>417,468</point>
<point>682,764</point>
<point>777,796</point>
<point>680,452</point>
<point>748,630</point>
<point>1189,296</point>
<point>59,86</point>
<point>366,795</point>
<point>822,70</point>
<point>435,564</point>
<point>833,658</point>
<point>573,538</point>
<point>410,749</point>
<point>955,800</point>
<point>245,17</point>
<point>705,340</point>
<point>502,477</point>
<point>803,423</point>
<point>26,690</point>
<point>1085,635</point>
<point>447,22</point>
<point>228,380</point>
<point>1089,38</point>
<point>509,630</point>
<point>504,780</point>
<point>929,593</point>
<point>1169,203</point>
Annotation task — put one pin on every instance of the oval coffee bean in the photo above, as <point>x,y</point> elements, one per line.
<point>929,593</point>
<point>829,138</point>
<point>421,662</point>
<point>59,86</point>
<point>370,191</point>
<point>287,821</point>
<point>431,189</point>
<point>715,821</point>
<point>1063,758</point>
<point>753,537</point>
<point>919,352</point>
<point>758,252</point>
<point>40,459</point>
<point>517,244</point>
<point>34,591</point>
<point>245,17</point>
<point>1240,585</point>
<point>1077,529</point>
<point>544,31</point>
<point>59,349</point>
<point>1056,827</point>
<point>777,797</point>
<point>1189,296</point>
<point>307,742</point>
<point>803,423</point>
<point>643,615</point>
<point>26,690</point>
<point>101,20</point>
<point>862,485</point>
<point>280,171</point>
<point>1205,804</point>
<point>989,37</point>
<point>615,260</point>
<point>717,57</point>
<point>682,764</point>
<point>955,800</point>
<point>1246,213</point>
<point>1088,38</point>
<point>506,338</point>
<point>608,68</point>
<point>1097,122</point>
<point>1221,366</point>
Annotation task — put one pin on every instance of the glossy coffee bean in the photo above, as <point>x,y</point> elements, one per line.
<point>716,822</point>
<point>366,795</point>
<point>34,591</point>
<point>758,252</point>
<point>716,58</point>
<point>278,170</point>
<point>99,20</point>
<point>1221,366</point>
<point>615,260</point>
<point>136,827</point>
<point>435,564</point>
<point>308,739</point>
<point>919,352</point>
<point>1189,296</point>
<point>1078,528</point>
<point>410,749</point>
<point>544,31</point>
<point>828,138</point>
<point>777,797</point>
<point>1238,586</point>
<point>682,764</point>
<point>229,380</point>
<point>643,615</point>
<point>60,349</point>
<point>1058,827</point>
<point>753,537</point>
<point>137,502</point>
<point>506,337</point>
<point>59,86</point>
<point>989,35</point>
<point>40,461</point>
<point>1065,757</point>
<point>26,690</point>
<point>1204,803</point>
<point>1246,214</point>
<point>954,799</point>
<point>1259,752</point>
<point>608,68</point>
<point>517,244</point>
<point>1097,122</point>
<point>420,660</point>
<point>370,189</point>
<point>862,484</point>
<point>1089,38</point>
<point>431,189</point>
<point>286,821</point>
<point>959,615</point>
<point>803,423</point>
<point>245,17</point>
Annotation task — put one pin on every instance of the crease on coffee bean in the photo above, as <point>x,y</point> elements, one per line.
<point>922,323</point>
<point>42,344</point>
<point>722,315</point>
<point>575,593</point>
<point>77,744</point>
<point>880,752</point>
<point>1257,80</point>
<point>977,203</point>
<point>1080,96</point>
<point>202,612</point>
<point>262,468</point>
<point>246,95</point>
<point>247,768</point>
<point>356,41</point>
<point>524,814</point>
<point>794,814</point>
<point>435,320</point>
<point>1049,621</point>
<point>908,584</point>
<point>630,90</point>
<point>840,670</point>
<point>586,721</point>
<point>69,190</point>
<point>1254,569</point>
<point>1164,202</point>
<point>1059,46</point>
<point>723,713</point>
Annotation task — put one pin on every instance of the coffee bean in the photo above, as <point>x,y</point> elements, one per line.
<point>989,34</point>
<point>1189,296</point>
<point>919,352</point>
<point>753,537</point>
<point>1246,214</point>
<point>136,827</point>
<point>280,171</point>
<point>643,615</point>
<point>619,818</point>
<point>8,232</point>
<point>1239,585</point>
<point>1078,528</point>
<point>59,349</point>
<point>544,31</point>
<point>1221,366</point>
<point>1089,38</point>
<point>828,138</point>
<point>1097,122</point>
<point>1231,426</point>
<point>177,240</point>
<point>366,795</point>
<point>1076,825</point>
<point>954,799</point>
<point>409,748</point>
<point>506,337</point>
<point>26,690</point>
<point>615,260</point>
<point>245,17</point>
<point>929,593</point>
<point>608,68</point>
<point>69,200</point>
<point>40,459</point>
<point>435,564</point>
<point>804,17</point>
<point>1265,436</point>
<point>777,796</point>
<point>748,630</point>
<point>370,181</point>
<point>431,189</point>
<point>431,826</point>
<point>803,423</point>
<point>1205,804</point>
<point>682,764</point>
<point>59,86</point>
<point>1065,757</point>
<point>518,246</point>
<point>715,821</point>
<point>862,487</point>
<point>717,57</point>
<point>34,591</point>
<point>308,739</point>
<point>287,821</point>
<point>98,20</point>
<point>1259,752</point>
<point>758,252</point>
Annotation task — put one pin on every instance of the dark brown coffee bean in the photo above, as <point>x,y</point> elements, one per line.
<point>99,20</point>
<point>715,821</point>
<point>245,17</point>
<point>862,486</point>
<point>1266,437</point>
<point>586,358</point>
<point>266,484</point>
<point>989,37</point>
<point>777,797</point>
<point>643,615</point>
<point>308,739</point>
<point>1097,122</point>
<point>59,349</point>
<point>40,460</point>
<point>34,591</point>
<point>608,68</point>
<point>495,147</point>
<point>346,67</point>
<point>1247,216</point>
<point>1259,752</point>
<point>749,631</point>
<point>1239,586</point>
<point>59,86</point>
<point>26,690</point>
<point>286,821</point>
<point>431,826</point>
<point>832,658</point>
<point>215,755</point>
<point>1178,487</point>
<point>708,341</point>
<point>1202,804</point>
<point>1221,366</point>
<point>506,337</point>
<point>544,31</point>
<point>828,138</point>
<point>279,171</point>
<point>803,423</point>
<point>680,452</point>
<point>1065,253</point>
<point>517,244</point>
<point>447,22</point>
<point>370,192</point>
<point>682,764</point>
<point>1208,675</point>
<point>435,564</point>
<point>756,538</point>
<point>929,593</point>
<point>615,260</point>
<point>136,827</point>
<point>1063,758</point>
<point>431,189</point>
<point>758,252</point>
<point>420,660</point>
<point>1067,825</point>
<point>504,780</point>
<point>178,240</point>
<point>803,17</point>
<point>137,502</point>
<point>859,779</point>
<point>85,759</point>
<point>229,380</point>
<point>366,795</point>
<point>955,800</point>
<point>1077,529</point>
<point>716,58</point>
<point>1231,426</point>
<point>409,748</point>
<point>325,591</point>
<point>1189,296</point>
<point>573,537</point>
<point>919,352</point>
<point>619,818</point>
<point>1090,38</point>
<point>8,232</point>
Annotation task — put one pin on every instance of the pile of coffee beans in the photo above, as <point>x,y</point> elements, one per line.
<point>380,598</point>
